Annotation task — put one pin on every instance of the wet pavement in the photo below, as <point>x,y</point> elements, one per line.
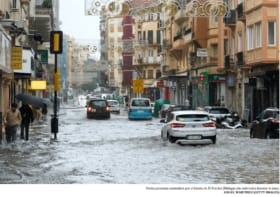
<point>131,152</point>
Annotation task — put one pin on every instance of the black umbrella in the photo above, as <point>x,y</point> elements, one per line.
<point>32,100</point>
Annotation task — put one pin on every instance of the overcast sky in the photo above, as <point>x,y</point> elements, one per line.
<point>75,23</point>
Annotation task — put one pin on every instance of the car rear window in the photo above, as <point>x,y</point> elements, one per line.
<point>192,118</point>
<point>98,103</point>
<point>219,111</point>
<point>140,103</point>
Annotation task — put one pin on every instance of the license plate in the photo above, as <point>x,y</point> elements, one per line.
<point>194,137</point>
<point>141,111</point>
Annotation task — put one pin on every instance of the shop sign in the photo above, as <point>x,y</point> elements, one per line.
<point>16,58</point>
<point>160,84</point>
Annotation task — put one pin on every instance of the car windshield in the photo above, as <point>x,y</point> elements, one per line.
<point>98,103</point>
<point>192,117</point>
<point>140,103</point>
<point>219,111</point>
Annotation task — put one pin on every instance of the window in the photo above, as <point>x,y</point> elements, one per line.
<point>239,40</point>
<point>271,33</point>
<point>150,74</point>
<point>214,50</point>
<point>250,37</point>
<point>151,53</point>
<point>258,34</point>
<point>150,36</point>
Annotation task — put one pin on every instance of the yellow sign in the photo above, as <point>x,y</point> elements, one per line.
<point>138,86</point>
<point>38,85</point>
<point>16,61</point>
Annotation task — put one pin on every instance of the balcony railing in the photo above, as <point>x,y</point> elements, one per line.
<point>230,19</point>
<point>240,12</point>
<point>227,62</point>
<point>240,59</point>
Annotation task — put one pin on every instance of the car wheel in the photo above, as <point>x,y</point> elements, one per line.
<point>171,139</point>
<point>214,140</point>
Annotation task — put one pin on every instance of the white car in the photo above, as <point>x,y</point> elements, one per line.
<point>114,106</point>
<point>189,127</point>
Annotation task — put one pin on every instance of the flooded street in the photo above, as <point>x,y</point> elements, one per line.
<point>117,151</point>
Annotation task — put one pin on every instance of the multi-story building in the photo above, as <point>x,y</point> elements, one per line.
<point>252,55</point>
<point>147,52</point>
<point>24,35</point>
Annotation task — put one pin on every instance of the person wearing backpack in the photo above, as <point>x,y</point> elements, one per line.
<point>27,118</point>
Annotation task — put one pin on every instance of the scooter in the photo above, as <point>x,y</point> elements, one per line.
<point>232,121</point>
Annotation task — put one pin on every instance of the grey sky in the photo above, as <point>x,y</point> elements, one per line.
<point>75,23</point>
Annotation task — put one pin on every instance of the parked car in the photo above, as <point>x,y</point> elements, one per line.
<point>217,113</point>
<point>172,108</point>
<point>163,110</point>
<point>98,108</point>
<point>189,127</point>
<point>266,124</point>
<point>114,106</point>
<point>140,108</point>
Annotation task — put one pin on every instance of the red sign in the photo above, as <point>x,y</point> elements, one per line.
<point>160,84</point>
<point>201,77</point>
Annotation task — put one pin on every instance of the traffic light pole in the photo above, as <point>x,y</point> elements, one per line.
<point>54,120</point>
<point>55,48</point>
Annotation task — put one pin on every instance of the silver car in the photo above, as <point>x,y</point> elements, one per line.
<point>189,127</point>
<point>114,106</point>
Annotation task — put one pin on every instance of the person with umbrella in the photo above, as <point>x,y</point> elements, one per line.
<point>27,118</point>
<point>12,121</point>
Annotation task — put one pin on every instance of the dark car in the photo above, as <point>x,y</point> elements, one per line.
<point>266,124</point>
<point>172,108</point>
<point>163,110</point>
<point>98,108</point>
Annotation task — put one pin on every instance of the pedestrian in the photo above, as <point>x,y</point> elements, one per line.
<point>27,118</point>
<point>44,112</point>
<point>12,122</point>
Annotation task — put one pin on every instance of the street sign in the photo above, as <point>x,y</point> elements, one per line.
<point>202,52</point>
<point>43,56</point>
<point>16,60</point>
<point>138,86</point>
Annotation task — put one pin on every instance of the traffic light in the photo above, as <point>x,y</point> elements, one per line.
<point>56,39</point>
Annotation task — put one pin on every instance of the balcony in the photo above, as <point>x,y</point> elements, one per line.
<point>230,19</point>
<point>240,12</point>
<point>227,62</point>
<point>240,59</point>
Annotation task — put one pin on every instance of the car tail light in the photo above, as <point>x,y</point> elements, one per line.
<point>90,109</point>
<point>209,124</point>
<point>107,108</point>
<point>275,120</point>
<point>177,125</point>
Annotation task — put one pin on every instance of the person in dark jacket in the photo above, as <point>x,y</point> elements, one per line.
<point>27,118</point>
